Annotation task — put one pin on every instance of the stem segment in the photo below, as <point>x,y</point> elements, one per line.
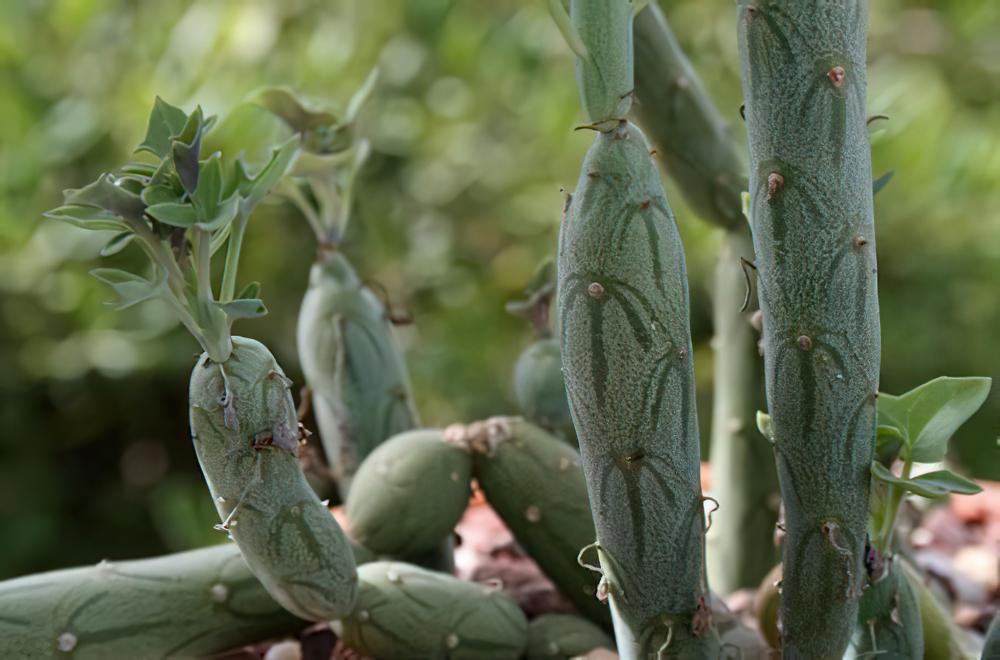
<point>705,161</point>
<point>804,83</point>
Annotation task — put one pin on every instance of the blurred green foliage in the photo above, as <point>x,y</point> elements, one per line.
<point>471,133</point>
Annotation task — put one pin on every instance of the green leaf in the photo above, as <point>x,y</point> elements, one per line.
<point>117,244</point>
<point>105,193</point>
<point>165,122</point>
<point>208,195</point>
<point>224,214</point>
<point>185,149</point>
<point>882,182</point>
<point>257,189</point>
<point>161,194</point>
<point>292,110</point>
<point>251,290</point>
<point>930,414</point>
<point>933,484</point>
<point>131,289</point>
<point>88,217</point>
<point>888,441</point>
<point>360,97</point>
<point>243,308</point>
<point>174,214</point>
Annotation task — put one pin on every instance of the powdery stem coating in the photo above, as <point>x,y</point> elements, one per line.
<point>803,70</point>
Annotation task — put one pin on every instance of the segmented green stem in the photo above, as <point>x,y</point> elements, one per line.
<point>604,72</point>
<point>626,352</point>
<point>701,156</point>
<point>626,355</point>
<point>684,125</point>
<point>803,70</point>
<point>183,605</point>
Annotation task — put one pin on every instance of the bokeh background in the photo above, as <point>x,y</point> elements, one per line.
<point>471,128</point>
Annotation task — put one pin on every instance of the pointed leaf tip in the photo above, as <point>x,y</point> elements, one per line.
<point>165,122</point>
<point>930,414</point>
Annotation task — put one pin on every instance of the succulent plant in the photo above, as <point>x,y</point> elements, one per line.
<point>626,353</point>
<point>804,84</point>
<point>352,363</point>
<point>563,636</point>
<point>410,613</point>
<point>409,494</point>
<point>181,209</point>
<point>705,161</point>
<point>534,481</point>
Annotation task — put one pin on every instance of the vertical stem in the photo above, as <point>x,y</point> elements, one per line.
<point>740,543</point>
<point>203,265</point>
<point>893,501</point>
<point>804,84</point>
<point>236,234</point>
<point>159,255</point>
<point>291,191</point>
<point>326,195</point>
<point>705,161</point>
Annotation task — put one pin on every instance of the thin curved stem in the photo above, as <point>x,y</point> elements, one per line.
<point>893,501</point>
<point>236,233</point>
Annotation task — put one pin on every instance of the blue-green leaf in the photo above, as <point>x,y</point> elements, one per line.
<point>141,169</point>
<point>310,164</point>
<point>248,130</point>
<point>888,441</point>
<point>105,193</point>
<point>208,194</point>
<point>224,214</point>
<point>292,110</point>
<point>933,484</point>
<point>165,122</point>
<point>360,97</point>
<point>117,244</point>
<point>243,308</point>
<point>256,189</point>
<point>185,149</point>
<point>251,290</point>
<point>131,289</point>
<point>161,194</point>
<point>930,414</point>
<point>948,481</point>
<point>174,214</point>
<point>88,217</point>
<point>882,182</point>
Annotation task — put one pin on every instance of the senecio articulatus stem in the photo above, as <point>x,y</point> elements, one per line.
<point>410,613</point>
<point>181,210</point>
<point>704,159</point>
<point>194,603</point>
<point>409,494</point>
<point>626,355</point>
<point>534,481</point>
<point>804,84</point>
<point>352,363</point>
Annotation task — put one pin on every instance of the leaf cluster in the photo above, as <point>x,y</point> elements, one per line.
<point>181,207</point>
